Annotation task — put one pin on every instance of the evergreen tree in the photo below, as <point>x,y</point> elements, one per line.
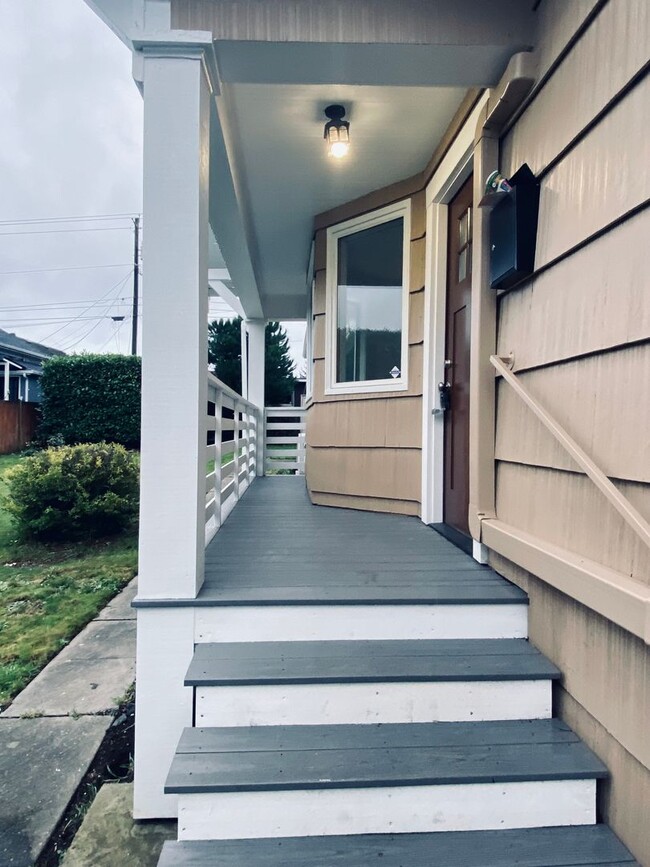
<point>278,366</point>
<point>224,352</point>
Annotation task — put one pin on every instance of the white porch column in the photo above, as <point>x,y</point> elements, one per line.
<point>174,333</point>
<point>174,404</point>
<point>255,369</point>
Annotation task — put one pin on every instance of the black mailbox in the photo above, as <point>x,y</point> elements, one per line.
<point>513,230</point>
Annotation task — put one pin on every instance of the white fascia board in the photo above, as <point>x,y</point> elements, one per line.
<point>119,15</point>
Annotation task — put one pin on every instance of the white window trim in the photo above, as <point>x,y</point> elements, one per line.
<point>349,227</point>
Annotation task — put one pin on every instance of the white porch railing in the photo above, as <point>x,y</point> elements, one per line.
<point>232,451</point>
<point>284,440</point>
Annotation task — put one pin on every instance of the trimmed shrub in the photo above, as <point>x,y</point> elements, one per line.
<point>74,492</point>
<point>91,399</point>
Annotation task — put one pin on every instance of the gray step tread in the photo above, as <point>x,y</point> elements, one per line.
<point>482,591</point>
<point>487,591</point>
<point>272,663</point>
<point>582,846</point>
<point>377,736</point>
<point>339,765</point>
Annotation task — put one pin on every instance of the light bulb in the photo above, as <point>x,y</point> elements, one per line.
<point>339,149</point>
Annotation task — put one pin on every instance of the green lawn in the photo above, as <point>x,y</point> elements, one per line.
<point>48,593</point>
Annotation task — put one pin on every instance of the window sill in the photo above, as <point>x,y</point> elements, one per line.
<point>378,387</point>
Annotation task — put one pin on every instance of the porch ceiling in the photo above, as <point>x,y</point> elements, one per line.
<point>287,177</point>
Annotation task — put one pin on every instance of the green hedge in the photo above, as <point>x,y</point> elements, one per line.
<point>74,492</point>
<point>91,399</point>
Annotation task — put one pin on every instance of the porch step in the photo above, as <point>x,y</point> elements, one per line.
<point>288,781</point>
<point>317,682</point>
<point>582,846</point>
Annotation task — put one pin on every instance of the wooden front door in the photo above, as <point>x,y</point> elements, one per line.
<point>457,354</point>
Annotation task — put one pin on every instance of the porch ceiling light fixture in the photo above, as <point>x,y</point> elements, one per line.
<point>337,131</point>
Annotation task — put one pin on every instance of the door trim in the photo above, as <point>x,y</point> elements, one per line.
<point>450,176</point>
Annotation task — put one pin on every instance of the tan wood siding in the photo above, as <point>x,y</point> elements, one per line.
<point>365,472</point>
<point>613,49</point>
<point>558,21</point>
<point>589,400</point>
<point>599,180</point>
<point>380,423</point>
<point>365,504</point>
<point>567,510</point>
<point>416,317</point>
<point>580,333</point>
<point>600,293</point>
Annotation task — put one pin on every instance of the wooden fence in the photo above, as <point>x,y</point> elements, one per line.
<point>18,422</point>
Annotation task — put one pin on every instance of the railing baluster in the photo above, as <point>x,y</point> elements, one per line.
<point>237,447</point>
<point>218,439</point>
<point>220,497</point>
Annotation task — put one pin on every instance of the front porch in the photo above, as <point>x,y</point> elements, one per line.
<point>346,684</point>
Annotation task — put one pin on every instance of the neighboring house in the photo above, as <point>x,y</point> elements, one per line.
<point>21,367</point>
<point>446,382</point>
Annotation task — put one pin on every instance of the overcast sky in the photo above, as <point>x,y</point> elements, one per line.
<point>70,146</point>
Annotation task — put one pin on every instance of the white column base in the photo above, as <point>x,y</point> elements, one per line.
<point>163,705</point>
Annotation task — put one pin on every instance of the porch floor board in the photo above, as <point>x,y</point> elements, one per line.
<point>276,547</point>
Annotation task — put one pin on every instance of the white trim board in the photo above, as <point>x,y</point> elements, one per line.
<point>449,177</point>
<point>386,809</point>
<point>349,622</point>
<point>367,703</point>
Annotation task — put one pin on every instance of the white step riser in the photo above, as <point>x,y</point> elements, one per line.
<point>361,622</point>
<point>357,703</point>
<point>404,809</point>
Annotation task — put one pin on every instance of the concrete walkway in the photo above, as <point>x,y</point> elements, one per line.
<point>50,734</point>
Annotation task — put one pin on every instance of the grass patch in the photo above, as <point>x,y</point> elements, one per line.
<point>49,593</point>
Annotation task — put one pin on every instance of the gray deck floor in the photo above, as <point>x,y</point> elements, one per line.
<point>276,547</point>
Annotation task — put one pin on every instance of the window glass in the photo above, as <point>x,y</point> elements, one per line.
<point>369,303</point>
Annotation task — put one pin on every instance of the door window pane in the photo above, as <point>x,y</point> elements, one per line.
<point>369,303</point>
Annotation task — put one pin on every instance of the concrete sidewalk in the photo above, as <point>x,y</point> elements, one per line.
<point>50,734</point>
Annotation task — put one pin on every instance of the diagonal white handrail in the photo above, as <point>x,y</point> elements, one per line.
<point>622,505</point>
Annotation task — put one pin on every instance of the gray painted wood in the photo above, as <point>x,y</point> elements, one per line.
<point>378,736</point>
<point>277,547</point>
<point>267,663</point>
<point>335,767</point>
<point>584,846</point>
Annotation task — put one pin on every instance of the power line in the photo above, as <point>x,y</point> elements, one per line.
<point>16,323</point>
<point>81,219</point>
<point>69,268</point>
<point>59,305</point>
<point>60,231</point>
<point>116,286</point>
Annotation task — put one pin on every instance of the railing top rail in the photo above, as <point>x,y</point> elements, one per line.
<point>622,505</point>
<point>226,389</point>
<point>285,410</point>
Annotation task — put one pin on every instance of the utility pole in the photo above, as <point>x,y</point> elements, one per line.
<point>136,285</point>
